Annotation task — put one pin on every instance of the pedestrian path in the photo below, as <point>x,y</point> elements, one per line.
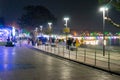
<point>110,62</point>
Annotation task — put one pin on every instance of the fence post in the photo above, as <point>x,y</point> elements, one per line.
<point>84,55</point>
<point>48,48</point>
<point>76,52</point>
<point>69,53</point>
<point>58,49</point>
<point>45,47</point>
<point>63,51</point>
<point>42,47</point>
<point>95,57</point>
<point>54,49</point>
<point>109,60</point>
<point>51,49</point>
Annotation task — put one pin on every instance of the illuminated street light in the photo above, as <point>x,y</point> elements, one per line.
<point>104,9</point>
<point>36,29</point>
<point>50,25</point>
<point>66,29</point>
<point>41,27</point>
<point>50,31</point>
<point>36,32</point>
<point>66,20</point>
<point>13,31</point>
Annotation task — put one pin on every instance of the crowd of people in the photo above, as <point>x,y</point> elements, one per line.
<point>69,42</point>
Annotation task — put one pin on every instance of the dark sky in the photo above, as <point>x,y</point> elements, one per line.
<point>84,14</point>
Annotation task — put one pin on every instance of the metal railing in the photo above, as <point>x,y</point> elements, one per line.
<point>90,56</point>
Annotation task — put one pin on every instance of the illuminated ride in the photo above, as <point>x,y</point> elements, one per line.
<point>7,35</point>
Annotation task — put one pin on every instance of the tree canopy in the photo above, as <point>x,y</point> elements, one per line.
<point>116,5</point>
<point>35,16</point>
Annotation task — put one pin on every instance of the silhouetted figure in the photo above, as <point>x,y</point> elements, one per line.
<point>69,42</point>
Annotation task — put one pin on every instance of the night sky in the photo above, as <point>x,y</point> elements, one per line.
<point>84,14</point>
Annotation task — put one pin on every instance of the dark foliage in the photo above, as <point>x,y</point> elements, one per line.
<point>114,3</point>
<point>35,16</point>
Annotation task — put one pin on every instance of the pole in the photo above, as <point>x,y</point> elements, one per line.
<point>66,23</point>
<point>103,33</point>
<point>66,33</point>
<point>66,19</point>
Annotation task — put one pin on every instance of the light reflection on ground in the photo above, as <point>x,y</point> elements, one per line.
<point>9,67</point>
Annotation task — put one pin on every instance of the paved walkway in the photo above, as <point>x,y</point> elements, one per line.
<point>23,63</point>
<point>110,62</point>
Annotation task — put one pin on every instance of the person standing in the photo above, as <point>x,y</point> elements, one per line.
<point>77,43</point>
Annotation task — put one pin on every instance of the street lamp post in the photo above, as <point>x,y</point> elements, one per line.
<point>50,27</point>
<point>66,20</point>
<point>66,29</point>
<point>104,9</point>
<point>49,31</point>
<point>41,28</point>
<point>50,24</point>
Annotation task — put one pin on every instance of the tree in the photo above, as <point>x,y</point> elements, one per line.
<point>112,22</point>
<point>35,16</point>
<point>116,5</point>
